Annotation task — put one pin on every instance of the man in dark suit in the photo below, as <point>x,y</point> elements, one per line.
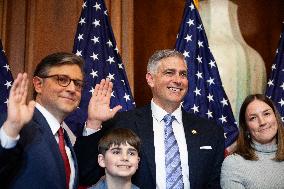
<point>200,142</point>
<point>35,152</point>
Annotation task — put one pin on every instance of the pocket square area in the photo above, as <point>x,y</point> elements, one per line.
<point>205,147</point>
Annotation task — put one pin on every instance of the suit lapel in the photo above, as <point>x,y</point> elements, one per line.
<point>192,135</point>
<point>51,142</point>
<point>69,144</point>
<point>144,123</point>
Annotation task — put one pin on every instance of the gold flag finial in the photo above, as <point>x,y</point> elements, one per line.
<point>196,3</point>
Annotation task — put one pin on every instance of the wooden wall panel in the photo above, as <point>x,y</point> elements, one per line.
<point>261,24</point>
<point>13,34</point>
<point>51,27</point>
<point>121,17</point>
<point>156,25</point>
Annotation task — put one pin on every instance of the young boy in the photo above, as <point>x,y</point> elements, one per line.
<point>118,154</point>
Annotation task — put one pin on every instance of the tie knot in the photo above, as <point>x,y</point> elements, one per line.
<point>168,119</point>
<point>60,131</point>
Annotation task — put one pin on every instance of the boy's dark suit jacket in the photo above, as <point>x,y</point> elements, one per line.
<point>36,160</point>
<point>204,164</point>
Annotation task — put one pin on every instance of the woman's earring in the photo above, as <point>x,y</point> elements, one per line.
<point>248,134</point>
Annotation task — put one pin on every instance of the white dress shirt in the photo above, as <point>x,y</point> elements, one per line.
<point>8,142</point>
<point>158,127</point>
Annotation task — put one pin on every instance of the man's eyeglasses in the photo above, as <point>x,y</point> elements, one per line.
<point>64,81</point>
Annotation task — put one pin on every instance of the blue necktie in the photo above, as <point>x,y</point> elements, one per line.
<point>172,156</point>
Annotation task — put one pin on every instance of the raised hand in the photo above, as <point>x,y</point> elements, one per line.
<point>99,105</point>
<point>19,112</point>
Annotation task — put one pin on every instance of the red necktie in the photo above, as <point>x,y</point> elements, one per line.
<point>64,155</point>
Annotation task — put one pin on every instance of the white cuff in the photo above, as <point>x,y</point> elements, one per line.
<point>8,142</point>
<point>89,131</point>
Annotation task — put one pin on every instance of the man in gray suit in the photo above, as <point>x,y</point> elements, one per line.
<point>200,143</point>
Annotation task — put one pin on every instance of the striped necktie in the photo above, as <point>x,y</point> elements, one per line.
<point>172,156</point>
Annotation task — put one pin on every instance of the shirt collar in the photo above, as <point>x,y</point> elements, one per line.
<point>159,113</point>
<point>51,120</point>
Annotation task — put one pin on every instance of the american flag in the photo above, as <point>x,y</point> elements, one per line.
<point>6,80</point>
<point>95,42</point>
<point>206,96</point>
<point>275,85</point>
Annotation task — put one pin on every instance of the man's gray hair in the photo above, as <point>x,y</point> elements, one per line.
<point>155,59</point>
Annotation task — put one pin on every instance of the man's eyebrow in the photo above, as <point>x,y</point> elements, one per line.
<point>115,148</point>
<point>169,69</point>
<point>132,149</point>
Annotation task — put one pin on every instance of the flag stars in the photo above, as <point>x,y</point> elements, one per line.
<point>199,59</point>
<point>80,37</point>
<point>223,119</point>
<point>105,12</point>
<point>210,81</point>
<point>281,102</point>
<point>185,53</point>
<point>94,73</point>
<point>95,39</point>
<point>96,23</point>
<point>273,67</point>
<point>224,102</point>
<point>7,101</point>
<point>212,64</point>
<point>190,22</point>
<point>120,66</point>
<point>200,27</point>
<point>109,43</point>
<point>282,86</point>
<point>123,82</point>
<point>210,97</point>
<point>112,94</point>
<point>82,21</point>
<point>92,90</point>
<point>116,49</point>
<point>94,56</point>
<point>195,108</point>
<point>97,6</point>
<point>188,38</point>
<point>8,84</point>
<point>84,5</point>
<point>110,59</point>
<point>209,114</point>
<point>199,75</point>
<point>191,6</point>
<point>79,53</point>
<point>110,76</point>
<point>7,67</point>
<point>197,91</point>
<point>270,82</point>
<point>200,43</point>
<point>127,97</point>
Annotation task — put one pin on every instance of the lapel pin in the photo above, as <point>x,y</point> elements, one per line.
<point>194,132</point>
